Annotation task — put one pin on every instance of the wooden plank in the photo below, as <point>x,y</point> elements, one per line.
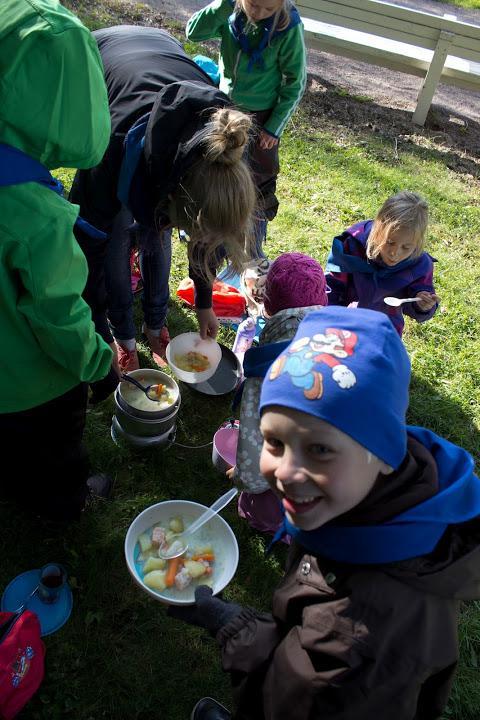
<point>410,65</point>
<point>391,12</point>
<point>367,54</point>
<point>373,24</point>
<point>402,24</point>
<point>471,52</point>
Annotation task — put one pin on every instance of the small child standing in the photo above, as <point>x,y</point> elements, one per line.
<point>262,70</point>
<point>295,285</point>
<point>384,257</point>
<point>385,520</point>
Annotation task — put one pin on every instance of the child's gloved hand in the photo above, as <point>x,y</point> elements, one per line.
<point>426,300</point>
<point>101,389</point>
<point>208,612</point>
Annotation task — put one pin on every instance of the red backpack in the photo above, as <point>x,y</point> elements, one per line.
<point>21,661</point>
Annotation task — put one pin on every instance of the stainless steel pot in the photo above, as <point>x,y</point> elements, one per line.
<point>141,443</point>
<point>140,426</point>
<point>149,376</point>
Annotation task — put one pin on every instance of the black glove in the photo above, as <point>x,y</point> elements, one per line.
<point>101,389</point>
<point>208,612</point>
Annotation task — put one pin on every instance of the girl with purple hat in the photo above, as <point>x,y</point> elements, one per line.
<point>295,285</point>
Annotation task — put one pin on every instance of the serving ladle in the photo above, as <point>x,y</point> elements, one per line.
<point>149,390</point>
<point>396,302</point>
<point>180,544</point>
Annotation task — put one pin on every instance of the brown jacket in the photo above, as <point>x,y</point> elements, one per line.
<point>359,642</point>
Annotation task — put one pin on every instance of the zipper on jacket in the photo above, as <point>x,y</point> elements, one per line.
<point>235,70</point>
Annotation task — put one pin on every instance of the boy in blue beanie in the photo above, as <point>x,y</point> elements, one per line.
<point>385,522</point>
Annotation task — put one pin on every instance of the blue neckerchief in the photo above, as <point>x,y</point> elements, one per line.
<point>256,362</point>
<point>413,533</point>
<point>340,261</point>
<point>16,168</point>
<point>237,23</point>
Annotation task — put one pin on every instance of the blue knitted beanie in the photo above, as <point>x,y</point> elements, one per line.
<point>349,368</point>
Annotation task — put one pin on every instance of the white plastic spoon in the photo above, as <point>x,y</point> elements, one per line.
<point>396,302</point>
<point>180,544</point>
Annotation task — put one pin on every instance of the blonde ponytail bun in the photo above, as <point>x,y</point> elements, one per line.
<point>227,134</point>
<point>216,199</point>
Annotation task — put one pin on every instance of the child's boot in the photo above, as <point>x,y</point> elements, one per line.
<point>100,486</point>
<point>127,355</point>
<point>158,341</point>
<point>209,709</point>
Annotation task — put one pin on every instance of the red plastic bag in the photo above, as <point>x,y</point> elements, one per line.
<point>228,302</point>
<point>21,661</point>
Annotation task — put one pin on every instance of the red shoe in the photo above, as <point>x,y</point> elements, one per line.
<point>158,345</point>
<point>127,359</point>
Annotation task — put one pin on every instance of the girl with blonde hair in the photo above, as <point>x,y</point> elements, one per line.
<point>375,259</point>
<point>263,71</point>
<point>175,159</point>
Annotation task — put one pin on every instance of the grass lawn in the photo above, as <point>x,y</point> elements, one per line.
<point>119,656</point>
<point>470,4</point>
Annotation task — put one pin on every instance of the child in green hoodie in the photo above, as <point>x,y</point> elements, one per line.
<point>262,70</point>
<point>53,112</point>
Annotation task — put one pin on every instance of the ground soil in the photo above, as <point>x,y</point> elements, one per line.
<point>359,95</point>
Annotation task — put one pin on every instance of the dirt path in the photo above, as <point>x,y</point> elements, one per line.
<point>385,87</point>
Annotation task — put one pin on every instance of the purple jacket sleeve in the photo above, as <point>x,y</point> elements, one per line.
<point>422,283</point>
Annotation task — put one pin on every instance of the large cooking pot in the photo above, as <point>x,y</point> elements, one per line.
<point>143,426</point>
<point>148,376</point>
<point>141,443</point>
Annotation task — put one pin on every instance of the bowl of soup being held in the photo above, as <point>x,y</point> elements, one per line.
<point>193,359</point>
<point>211,558</point>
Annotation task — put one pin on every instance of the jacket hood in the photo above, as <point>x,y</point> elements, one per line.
<point>53,100</point>
<point>341,260</point>
<point>434,544</point>
<point>173,142</point>
<point>281,325</point>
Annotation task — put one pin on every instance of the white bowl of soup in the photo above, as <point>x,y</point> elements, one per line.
<point>134,401</point>
<point>192,359</point>
<point>211,558</point>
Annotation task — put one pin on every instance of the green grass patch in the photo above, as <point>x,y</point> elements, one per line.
<point>470,4</point>
<point>119,655</point>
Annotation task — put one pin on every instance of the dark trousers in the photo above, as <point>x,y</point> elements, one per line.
<point>265,167</point>
<point>50,461</point>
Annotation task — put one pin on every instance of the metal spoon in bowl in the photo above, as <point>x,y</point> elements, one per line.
<point>149,390</point>
<point>180,543</point>
<point>396,302</point>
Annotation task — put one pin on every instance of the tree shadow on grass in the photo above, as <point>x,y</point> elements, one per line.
<point>447,136</point>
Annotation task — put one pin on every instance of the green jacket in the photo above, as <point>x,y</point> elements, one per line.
<point>279,85</point>
<point>53,106</point>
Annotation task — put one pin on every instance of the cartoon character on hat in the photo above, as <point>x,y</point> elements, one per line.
<point>303,354</point>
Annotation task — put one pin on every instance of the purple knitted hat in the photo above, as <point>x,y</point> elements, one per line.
<point>294,280</point>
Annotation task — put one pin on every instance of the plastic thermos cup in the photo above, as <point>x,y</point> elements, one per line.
<point>245,335</point>
<point>52,579</point>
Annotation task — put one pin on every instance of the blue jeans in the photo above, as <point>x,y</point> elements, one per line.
<point>155,258</point>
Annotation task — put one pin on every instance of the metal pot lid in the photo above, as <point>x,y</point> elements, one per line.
<point>226,377</point>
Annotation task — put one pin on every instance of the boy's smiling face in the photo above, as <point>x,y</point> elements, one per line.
<point>317,471</point>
